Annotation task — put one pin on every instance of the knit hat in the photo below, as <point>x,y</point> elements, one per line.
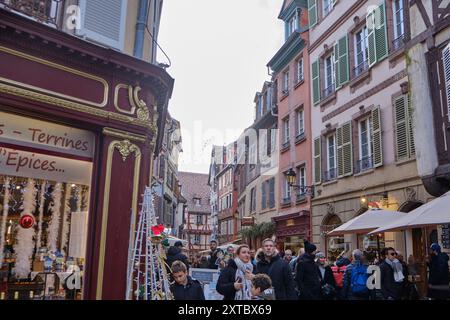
<point>178,244</point>
<point>436,247</point>
<point>309,247</point>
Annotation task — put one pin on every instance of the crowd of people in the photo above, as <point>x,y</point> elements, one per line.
<point>268,274</point>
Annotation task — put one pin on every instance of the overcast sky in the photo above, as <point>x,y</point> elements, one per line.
<point>219,51</point>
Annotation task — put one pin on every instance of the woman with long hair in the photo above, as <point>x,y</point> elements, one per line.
<point>234,282</point>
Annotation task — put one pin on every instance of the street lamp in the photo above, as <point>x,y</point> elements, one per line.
<point>291,178</point>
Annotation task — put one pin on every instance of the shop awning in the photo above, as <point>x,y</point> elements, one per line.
<point>432,213</point>
<point>367,222</point>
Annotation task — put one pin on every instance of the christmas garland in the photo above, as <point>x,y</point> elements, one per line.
<point>41,214</point>
<point>66,221</point>
<point>53,227</point>
<point>24,245</point>
<point>6,197</point>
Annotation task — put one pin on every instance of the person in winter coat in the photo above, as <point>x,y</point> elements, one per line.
<point>235,280</point>
<point>174,254</point>
<point>277,269</point>
<point>213,254</point>
<point>307,275</point>
<point>262,287</point>
<point>338,272</point>
<point>350,290</point>
<point>185,287</point>
<point>438,266</point>
<point>391,275</point>
<point>327,282</point>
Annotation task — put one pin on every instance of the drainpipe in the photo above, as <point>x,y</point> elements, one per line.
<point>140,28</point>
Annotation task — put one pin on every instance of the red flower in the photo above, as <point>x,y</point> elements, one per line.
<point>157,230</point>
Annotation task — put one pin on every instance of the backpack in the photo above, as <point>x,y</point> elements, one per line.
<point>358,280</point>
<point>338,274</point>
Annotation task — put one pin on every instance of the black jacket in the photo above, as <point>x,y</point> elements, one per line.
<point>174,254</point>
<point>308,278</point>
<point>389,288</point>
<point>213,259</point>
<point>439,272</point>
<point>328,277</point>
<point>280,273</point>
<point>225,283</point>
<point>192,291</point>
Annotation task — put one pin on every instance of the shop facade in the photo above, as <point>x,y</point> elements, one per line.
<point>79,127</point>
<point>291,231</point>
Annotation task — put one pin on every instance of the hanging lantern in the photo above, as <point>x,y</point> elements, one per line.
<point>26,221</point>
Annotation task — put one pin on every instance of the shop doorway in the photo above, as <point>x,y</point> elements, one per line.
<point>333,246</point>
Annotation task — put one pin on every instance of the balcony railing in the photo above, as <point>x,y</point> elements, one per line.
<point>330,175</point>
<point>286,201</point>
<point>359,69</point>
<point>399,42</point>
<point>46,11</point>
<point>328,91</point>
<point>364,164</point>
<point>301,196</point>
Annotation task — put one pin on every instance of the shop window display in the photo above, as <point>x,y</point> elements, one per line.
<point>43,238</point>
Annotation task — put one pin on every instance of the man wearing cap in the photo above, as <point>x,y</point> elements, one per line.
<point>174,254</point>
<point>308,274</point>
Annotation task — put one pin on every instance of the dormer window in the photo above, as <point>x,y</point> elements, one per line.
<point>197,201</point>
<point>292,24</point>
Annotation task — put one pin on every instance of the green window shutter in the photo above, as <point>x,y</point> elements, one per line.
<point>381,40</point>
<point>377,138</point>
<point>317,160</point>
<point>315,82</point>
<point>340,154</point>
<point>341,62</point>
<point>370,24</point>
<point>344,73</point>
<point>401,128</point>
<point>347,148</point>
<point>411,145</point>
<point>312,12</point>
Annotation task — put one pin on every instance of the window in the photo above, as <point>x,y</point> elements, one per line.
<point>292,24</point>
<point>287,189</point>
<point>197,201</point>
<point>365,145</point>
<point>361,51</point>
<point>300,123</point>
<point>302,180</point>
<point>327,7</point>
<point>272,192</point>
<point>299,70</point>
<point>286,130</point>
<point>253,199</point>
<point>199,219</point>
<point>196,239</point>
<point>399,24</point>
<point>273,140</point>
<point>329,75</point>
<point>285,82</point>
<point>331,149</point>
<point>264,195</point>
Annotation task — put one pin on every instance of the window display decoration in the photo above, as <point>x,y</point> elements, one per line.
<point>43,192</point>
<point>53,227</point>
<point>6,198</point>
<point>66,220</point>
<point>24,246</point>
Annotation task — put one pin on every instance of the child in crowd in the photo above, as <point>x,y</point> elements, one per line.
<point>262,287</point>
<point>185,287</point>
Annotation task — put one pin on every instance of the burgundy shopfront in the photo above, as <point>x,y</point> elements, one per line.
<point>118,101</point>
<point>291,230</point>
